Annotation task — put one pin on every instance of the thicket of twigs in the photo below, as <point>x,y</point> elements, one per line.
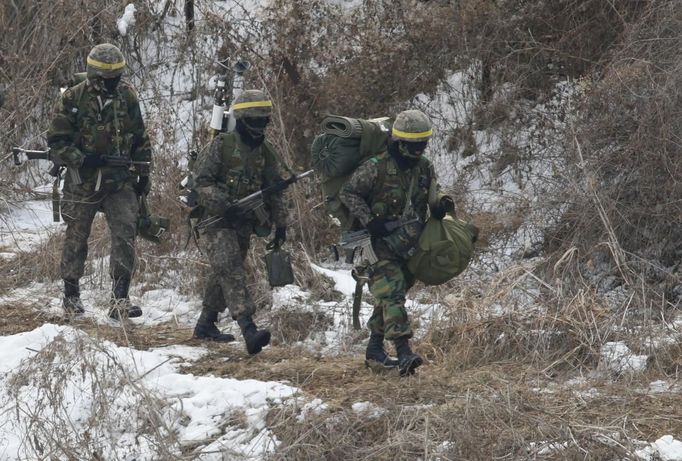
<point>624,151</point>
<point>315,59</point>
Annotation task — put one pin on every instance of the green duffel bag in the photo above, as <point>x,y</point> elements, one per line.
<point>444,250</point>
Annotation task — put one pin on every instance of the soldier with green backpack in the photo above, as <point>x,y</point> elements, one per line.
<point>99,135</point>
<point>396,186</point>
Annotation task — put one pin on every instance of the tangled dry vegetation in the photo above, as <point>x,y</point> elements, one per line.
<point>507,386</point>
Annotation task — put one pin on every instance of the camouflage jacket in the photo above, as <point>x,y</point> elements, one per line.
<point>86,123</point>
<point>379,189</point>
<point>230,170</point>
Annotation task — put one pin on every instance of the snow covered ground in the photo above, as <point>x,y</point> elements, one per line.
<point>25,225</point>
<point>107,392</point>
<point>59,373</point>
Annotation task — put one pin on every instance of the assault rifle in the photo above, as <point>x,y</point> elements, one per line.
<point>254,202</point>
<point>363,240</point>
<point>21,155</point>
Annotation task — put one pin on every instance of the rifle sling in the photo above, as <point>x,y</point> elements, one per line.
<point>56,198</point>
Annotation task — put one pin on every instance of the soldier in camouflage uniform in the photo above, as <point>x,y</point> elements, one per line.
<point>235,165</point>
<point>95,118</point>
<point>389,187</point>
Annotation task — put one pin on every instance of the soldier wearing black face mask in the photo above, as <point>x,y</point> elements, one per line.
<point>96,119</point>
<point>393,186</point>
<point>236,164</point>
<point>252,129</point>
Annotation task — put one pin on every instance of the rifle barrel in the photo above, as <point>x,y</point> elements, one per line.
<point>29,151</point>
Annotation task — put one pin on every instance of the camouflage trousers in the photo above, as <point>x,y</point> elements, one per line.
<point>78,211</point>
<point>388,283</point>
<point>226,250</point>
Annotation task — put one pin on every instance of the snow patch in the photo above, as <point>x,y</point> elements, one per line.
<point>667,448</point>
<point>127,20</point>
<point>26,225</point>
<point>617,357</point>
<point>191,409</point>
<point>314,407</point>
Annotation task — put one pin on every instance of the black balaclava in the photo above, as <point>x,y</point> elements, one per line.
<point>105,86</point>
<point>406,157</point>
<point>110,84</point>
<point>252,130</point>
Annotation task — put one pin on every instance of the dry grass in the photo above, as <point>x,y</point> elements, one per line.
<point>39,264</point>
<point>492,387</point>
<point>479,412</point>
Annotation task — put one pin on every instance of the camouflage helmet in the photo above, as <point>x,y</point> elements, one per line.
<point>412,126</point>
<point>105,60</point>
<point>251,103</point>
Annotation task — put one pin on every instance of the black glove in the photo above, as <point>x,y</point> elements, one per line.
<point>93,161</point>
<point>377,227</point>
<point>280,236</point>
<point>143,185</point>
<point>445,204</point>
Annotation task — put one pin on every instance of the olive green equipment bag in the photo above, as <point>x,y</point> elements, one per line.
<point>444,250</point>
<point>150,227</point>
<point>344,144</point>
<point>278,265</point>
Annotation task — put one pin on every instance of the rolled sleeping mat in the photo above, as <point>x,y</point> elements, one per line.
<point>343,127</point>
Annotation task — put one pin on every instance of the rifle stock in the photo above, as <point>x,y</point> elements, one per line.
<point>360,280</point>
<point>21,155</point>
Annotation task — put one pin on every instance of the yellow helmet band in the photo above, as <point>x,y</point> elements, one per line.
<point>251,104</point>
<point>406,135</point>
<point>104,65</point>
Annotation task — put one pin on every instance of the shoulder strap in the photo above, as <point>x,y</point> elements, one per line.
<point>76,109</point>
<point>408,198</point>
<point>78,91</point>
<point>277,158</point>
<point>381,172</point>
<point>227,144</point>
<point>433,188</point>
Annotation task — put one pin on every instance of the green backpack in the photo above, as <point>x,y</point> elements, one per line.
<point>444,250</point>
<point>344,144</point>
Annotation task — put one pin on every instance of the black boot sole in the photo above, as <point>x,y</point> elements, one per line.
<point>258,341</point>
<point>223,338</point>
<point>118,313</point>
<point>379,366</point>
<point>408,368</point>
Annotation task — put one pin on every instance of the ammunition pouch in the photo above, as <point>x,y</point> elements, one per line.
<point>152,227</point>
<point>278,264</point>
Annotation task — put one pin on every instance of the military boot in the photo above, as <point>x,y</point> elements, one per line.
<point>408,361</point>
<point>376,356</point>
<point>121,307</point>
<point>72,298</point>
<point>206,329</point>
<point>255,339</point>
